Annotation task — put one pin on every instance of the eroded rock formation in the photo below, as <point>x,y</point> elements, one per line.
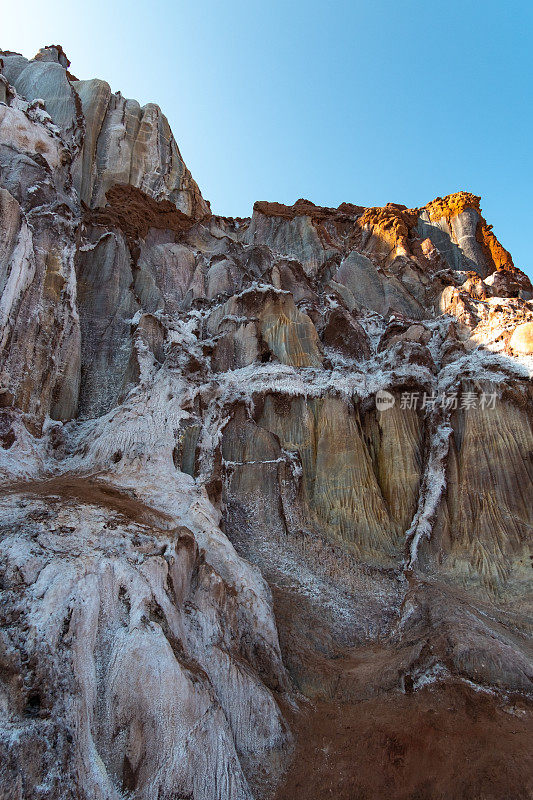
<point>266,512</point>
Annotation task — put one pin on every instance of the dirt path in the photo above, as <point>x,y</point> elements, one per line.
<point>440,743</point>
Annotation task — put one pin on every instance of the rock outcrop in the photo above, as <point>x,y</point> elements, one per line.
<point>266,512</point>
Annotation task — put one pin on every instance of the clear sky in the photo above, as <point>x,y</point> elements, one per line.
<point>366,101</point>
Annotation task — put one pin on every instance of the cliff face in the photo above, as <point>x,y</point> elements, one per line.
<point>266,508</point>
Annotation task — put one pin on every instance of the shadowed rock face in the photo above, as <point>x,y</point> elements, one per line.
<point>266,515</point>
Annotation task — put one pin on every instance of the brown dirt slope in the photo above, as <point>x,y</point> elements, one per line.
<point>445,742</point>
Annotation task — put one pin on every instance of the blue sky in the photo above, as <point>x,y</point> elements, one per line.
<point>364,102</point>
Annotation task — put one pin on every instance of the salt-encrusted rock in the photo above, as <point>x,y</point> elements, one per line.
<point>247,463</point>
<point>344,334</point>
<point>45,77</point>
<point>131,651</point>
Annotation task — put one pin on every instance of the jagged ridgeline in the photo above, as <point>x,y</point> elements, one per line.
<point>266,511</point>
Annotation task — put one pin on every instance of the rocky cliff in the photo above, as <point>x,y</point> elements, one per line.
<point>266,511</point>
